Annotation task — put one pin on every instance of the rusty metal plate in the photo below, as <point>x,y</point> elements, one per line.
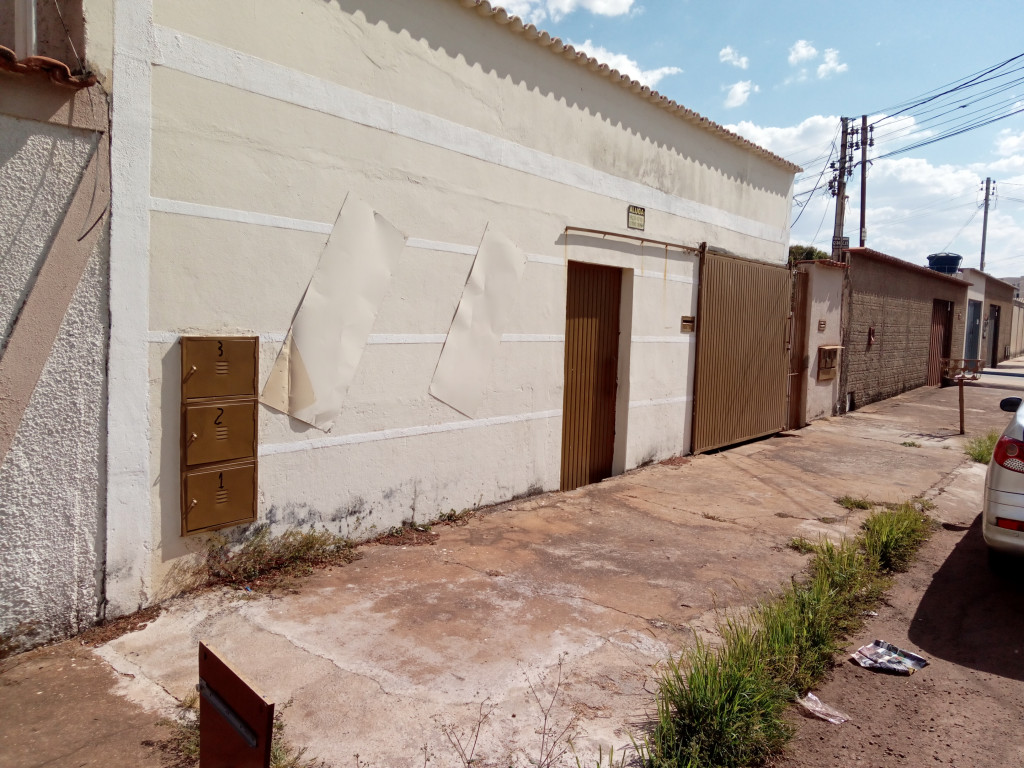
<point>220,432</point>
<point>218,496</point>
<point>236,721</point>
<point>219,367</point>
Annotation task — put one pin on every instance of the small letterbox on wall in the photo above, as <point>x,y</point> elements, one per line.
<point>219,416</point>
<point>828,362</point>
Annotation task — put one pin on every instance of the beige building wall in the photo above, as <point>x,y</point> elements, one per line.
<point>260,118</point>
<point>824,329</point>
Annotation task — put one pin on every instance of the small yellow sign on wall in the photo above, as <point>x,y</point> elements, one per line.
<point>635,217</point>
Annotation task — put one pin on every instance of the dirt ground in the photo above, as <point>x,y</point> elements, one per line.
<point>965,708</point>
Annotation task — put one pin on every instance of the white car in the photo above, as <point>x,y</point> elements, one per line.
<point>1002,523</point>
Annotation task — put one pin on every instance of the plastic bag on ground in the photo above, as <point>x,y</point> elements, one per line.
<point>814,706</point>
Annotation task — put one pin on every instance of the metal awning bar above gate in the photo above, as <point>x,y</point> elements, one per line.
<point>635,238</point>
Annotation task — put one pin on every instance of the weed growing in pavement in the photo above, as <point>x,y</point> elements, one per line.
<point>910,444</point>
<point>892,537</point>
<point>464,743</point>
<point>801,545</point>
<point>182,747</point>
<point>554,741</point>
<point>265,560</point>
<point>722,705</point>
<point>851,503</point>
<point>980,448</point>
<point>716,518</point>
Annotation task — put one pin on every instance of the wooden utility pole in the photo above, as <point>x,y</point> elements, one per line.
<point>984,222</point>
<point>840,192</point>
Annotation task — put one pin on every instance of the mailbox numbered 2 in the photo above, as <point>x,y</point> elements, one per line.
<point>218,431</point>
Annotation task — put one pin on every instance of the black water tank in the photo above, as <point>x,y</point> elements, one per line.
<point>946,263</point>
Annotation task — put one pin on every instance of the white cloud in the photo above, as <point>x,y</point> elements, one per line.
<point>730,55</point>
<point>1009,143</point>
<point>830,65</point>
<point>915,206</point>
<point>802,50</point>
<point>626,65</point>
<point>536,11</point>
<point>739,93</point>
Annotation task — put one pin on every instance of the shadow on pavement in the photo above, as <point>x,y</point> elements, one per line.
<point>971,616</point>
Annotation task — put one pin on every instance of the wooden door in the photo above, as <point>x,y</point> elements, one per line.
<point>591,373</point>
<point>940,339</point>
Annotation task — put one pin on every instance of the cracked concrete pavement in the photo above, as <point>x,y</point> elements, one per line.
<point>599,586</point>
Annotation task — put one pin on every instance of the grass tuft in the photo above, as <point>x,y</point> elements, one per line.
<point>851,503</point>
<point>980,448</point>
<point>722,705</point>
<point>910,444</point>
<point>892,537</point>
<point>266,560</point>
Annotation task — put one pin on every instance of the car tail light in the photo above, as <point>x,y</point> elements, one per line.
<point>1009,453</point>
<point>1010,525</point>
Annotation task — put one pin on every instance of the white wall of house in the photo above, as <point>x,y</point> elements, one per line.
<point>825,299</point>
<point>260,118</point>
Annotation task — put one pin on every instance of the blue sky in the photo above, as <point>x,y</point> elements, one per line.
<point>783,73</point>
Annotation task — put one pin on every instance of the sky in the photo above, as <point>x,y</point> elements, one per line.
<point>784,73</point>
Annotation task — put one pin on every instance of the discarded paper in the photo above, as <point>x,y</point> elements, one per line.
<point>475,334</point>
<point>886,657</point>
<point>322,350</point>
<point>816,707</point>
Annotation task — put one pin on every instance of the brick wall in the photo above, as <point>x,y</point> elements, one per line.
<point>896,301</point>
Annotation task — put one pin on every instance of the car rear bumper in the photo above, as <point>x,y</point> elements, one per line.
<point>998,538</point>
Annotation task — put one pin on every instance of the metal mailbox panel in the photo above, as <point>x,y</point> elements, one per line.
<point>218,367</point>
<point>219,496</point>
<point>220,432</point>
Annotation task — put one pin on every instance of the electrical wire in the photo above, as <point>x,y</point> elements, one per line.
<point>961,229</point>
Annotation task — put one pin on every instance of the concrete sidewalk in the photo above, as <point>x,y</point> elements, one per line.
<point>600,585</point>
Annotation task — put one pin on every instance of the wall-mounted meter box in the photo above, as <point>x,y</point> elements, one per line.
<point>219,418</point>
<point>828,362</point>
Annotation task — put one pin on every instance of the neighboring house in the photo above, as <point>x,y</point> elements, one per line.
<point>989,317</point>
<point>817,340</point>
<point>488,245</point>
<point>1017,328</point>
<point>899,321</point>
<point>54,314</point>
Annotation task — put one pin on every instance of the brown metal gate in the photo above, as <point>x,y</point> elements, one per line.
<point>591,373</point>
<point>941,338</point>
<point>742,351</point>
<point>798,356</point>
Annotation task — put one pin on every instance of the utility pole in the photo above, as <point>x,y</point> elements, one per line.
<point>867,139</point>
<point>984,221</point>
<point>838,187</point>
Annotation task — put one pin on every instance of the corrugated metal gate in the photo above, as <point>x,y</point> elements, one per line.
<point>591,373</point>
<point>941,338</point>
<point>742,351</point>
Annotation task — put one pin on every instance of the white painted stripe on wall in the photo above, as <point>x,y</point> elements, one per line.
<point>661,401</point>
<point>183,208</point>
<point>400,432</point>
<point>171,337</point>
<point>274,449</point>
<point>683,338</point>
<point>129,520</point>
<point>437,245</point>
<point>216,63</point>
